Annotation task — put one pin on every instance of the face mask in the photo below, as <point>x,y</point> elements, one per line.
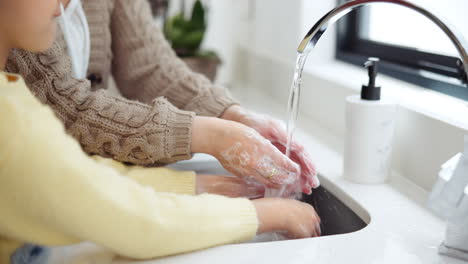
<point>75,29</point>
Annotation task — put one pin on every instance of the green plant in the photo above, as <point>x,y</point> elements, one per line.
<point>186,35</point>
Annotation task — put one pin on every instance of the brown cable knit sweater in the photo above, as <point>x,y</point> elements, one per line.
<point>143,128</point>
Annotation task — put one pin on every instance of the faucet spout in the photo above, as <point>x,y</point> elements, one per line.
<point>314,34</point>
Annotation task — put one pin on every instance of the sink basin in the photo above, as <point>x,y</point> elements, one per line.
<point>336,217</point>
<point>339,213</point>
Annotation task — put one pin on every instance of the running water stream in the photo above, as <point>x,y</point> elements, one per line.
<point>292,113</point>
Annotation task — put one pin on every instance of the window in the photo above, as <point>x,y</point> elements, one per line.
<point>409,45</point>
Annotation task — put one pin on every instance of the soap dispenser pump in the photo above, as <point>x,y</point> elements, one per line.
<point>370,128</point>
<point>371,92</point>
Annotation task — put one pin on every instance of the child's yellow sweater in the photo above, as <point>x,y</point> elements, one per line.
<point>51,193</point>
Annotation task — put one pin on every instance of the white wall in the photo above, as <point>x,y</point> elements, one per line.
<point>227,28</point>
<point>270,27</point>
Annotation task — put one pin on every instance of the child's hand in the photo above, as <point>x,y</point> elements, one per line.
<point>297,219</point>
<point>243,152</point>
<point>228,186</point>
<point>276,133</point>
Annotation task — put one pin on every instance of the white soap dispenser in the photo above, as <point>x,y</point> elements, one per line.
<point>370,127</point>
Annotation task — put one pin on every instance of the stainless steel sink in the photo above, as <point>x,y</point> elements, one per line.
<point>340,214</point>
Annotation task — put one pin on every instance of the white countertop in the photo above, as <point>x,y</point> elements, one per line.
<point>401,229</point>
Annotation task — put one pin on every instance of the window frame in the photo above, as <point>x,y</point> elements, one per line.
<point>396,61</point>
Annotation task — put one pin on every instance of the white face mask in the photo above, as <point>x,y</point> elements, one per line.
<point>75,29</point>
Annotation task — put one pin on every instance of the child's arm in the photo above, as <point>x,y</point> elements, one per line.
<point>160,179</point>
<point>52,193</point>
<point>145,66</point>
<point>186,182</point>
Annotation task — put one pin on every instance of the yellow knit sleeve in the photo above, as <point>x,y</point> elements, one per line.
<point>53,193</point>
<point>160,179</point>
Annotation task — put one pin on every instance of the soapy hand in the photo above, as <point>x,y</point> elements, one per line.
<point>292,218</point>
<point>243,152</point>
<point>276,133</point>
<point>228,186</point>
<point>296,219</point>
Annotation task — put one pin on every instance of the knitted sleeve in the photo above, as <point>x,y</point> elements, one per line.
<point>128,131</point>
<point>145,66</point>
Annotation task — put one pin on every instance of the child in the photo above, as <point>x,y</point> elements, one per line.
<point>52,193</point>
<point>171,115</point>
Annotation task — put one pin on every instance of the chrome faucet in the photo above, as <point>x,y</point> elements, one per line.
<point>456,242</point>
<point>313,36</point>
